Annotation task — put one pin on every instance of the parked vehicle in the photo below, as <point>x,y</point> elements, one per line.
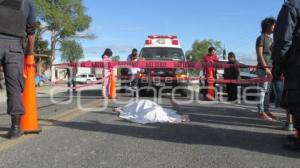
<point>163,48</point>
<point>86,78</point>
<point>41,80</point>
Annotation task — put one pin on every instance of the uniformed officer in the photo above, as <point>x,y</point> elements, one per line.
<point>286,59</point>
<point>17,21</point>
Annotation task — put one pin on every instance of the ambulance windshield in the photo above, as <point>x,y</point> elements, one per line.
<point>172,54</point>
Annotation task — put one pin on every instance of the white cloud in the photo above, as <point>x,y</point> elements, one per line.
<point>115,48</point>
<point>247,58</point>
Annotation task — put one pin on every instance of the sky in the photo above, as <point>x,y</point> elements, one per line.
<point>125,24</point>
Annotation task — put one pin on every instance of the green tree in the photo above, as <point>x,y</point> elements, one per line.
<point>41,45</point>
<point>71,51</point>
<point>116,58</point>
<point>200,49</point>
<point>63,19</point>
<point>41,50</point>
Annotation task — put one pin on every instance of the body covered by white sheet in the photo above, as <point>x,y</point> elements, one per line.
<point>145,111</point>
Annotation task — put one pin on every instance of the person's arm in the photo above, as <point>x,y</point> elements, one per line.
<point>30,45</point>
<point>216,59</point>
<point>30,28</point>
<point>284,32</point>
<point>238,70</point>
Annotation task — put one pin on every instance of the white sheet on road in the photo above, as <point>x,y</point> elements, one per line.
<point>145,111</point>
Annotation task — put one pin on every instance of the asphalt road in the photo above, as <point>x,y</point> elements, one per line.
<point>219,135</point>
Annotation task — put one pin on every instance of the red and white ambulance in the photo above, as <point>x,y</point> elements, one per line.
<point>163,48</point>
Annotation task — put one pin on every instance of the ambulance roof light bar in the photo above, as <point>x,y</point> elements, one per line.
<point>159,36</point>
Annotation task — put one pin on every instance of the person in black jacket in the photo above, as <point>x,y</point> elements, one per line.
<point>232,74</point>
<point>286,60</point>
<point>17,22</point>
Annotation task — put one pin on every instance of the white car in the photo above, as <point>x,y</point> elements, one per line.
<point>86,78</point>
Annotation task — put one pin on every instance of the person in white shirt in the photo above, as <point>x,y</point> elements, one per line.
<point>134,72</point>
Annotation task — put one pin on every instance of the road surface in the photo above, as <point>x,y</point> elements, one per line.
<point>219,135</point>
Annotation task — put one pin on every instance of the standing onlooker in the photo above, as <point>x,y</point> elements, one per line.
<point>133,54</point>
<point>264,56</point>
<point>133,72</point>
<point>106,57</point>
<point>232,74</point>
<point>1,78</point>
<point>286,59</point>
<point>278,87</point>
<point>210,58</point>
<point>71,76</point>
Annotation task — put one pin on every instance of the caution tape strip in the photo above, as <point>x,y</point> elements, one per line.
<point>254,81</point>
<point>156,65</point>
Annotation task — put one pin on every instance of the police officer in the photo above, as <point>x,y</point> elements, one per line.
<point>17,21</point>
<point>286,59</point>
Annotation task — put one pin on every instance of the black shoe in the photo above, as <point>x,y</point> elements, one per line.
<point>15,130</point>
<point>15,133</point>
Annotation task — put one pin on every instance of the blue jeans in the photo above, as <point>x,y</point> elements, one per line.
<point>278,86</point>
<point>265,92</point>
<point>72,83</point>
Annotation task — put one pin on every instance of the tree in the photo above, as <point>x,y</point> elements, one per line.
<point>71,51</point>
<point>63,19</point>
<point>200,49</point>
<point>41,45</point>
<point>116,58</point>
<point>41,48</point>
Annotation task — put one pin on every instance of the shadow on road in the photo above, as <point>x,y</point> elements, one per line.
<point>66,96</point>
<point>228,116</point>
<point>191,134</point>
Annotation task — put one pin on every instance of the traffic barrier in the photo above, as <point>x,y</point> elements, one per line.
<point>211,85</point>
<point>29,121</point>
<point>113,85</point>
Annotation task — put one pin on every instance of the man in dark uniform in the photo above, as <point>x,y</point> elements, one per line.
<point>286,59</point>
<point>17,21</point>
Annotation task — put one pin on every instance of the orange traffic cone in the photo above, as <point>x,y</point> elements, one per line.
<point>113,85</point>
<point>211,85</point>
<point>29,121</point>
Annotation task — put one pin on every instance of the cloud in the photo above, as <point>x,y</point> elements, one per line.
<point>124,28</point>
<point>117,49</point>
<point>247,58</point>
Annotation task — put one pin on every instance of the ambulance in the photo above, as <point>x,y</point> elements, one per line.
<point>163,48</point>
